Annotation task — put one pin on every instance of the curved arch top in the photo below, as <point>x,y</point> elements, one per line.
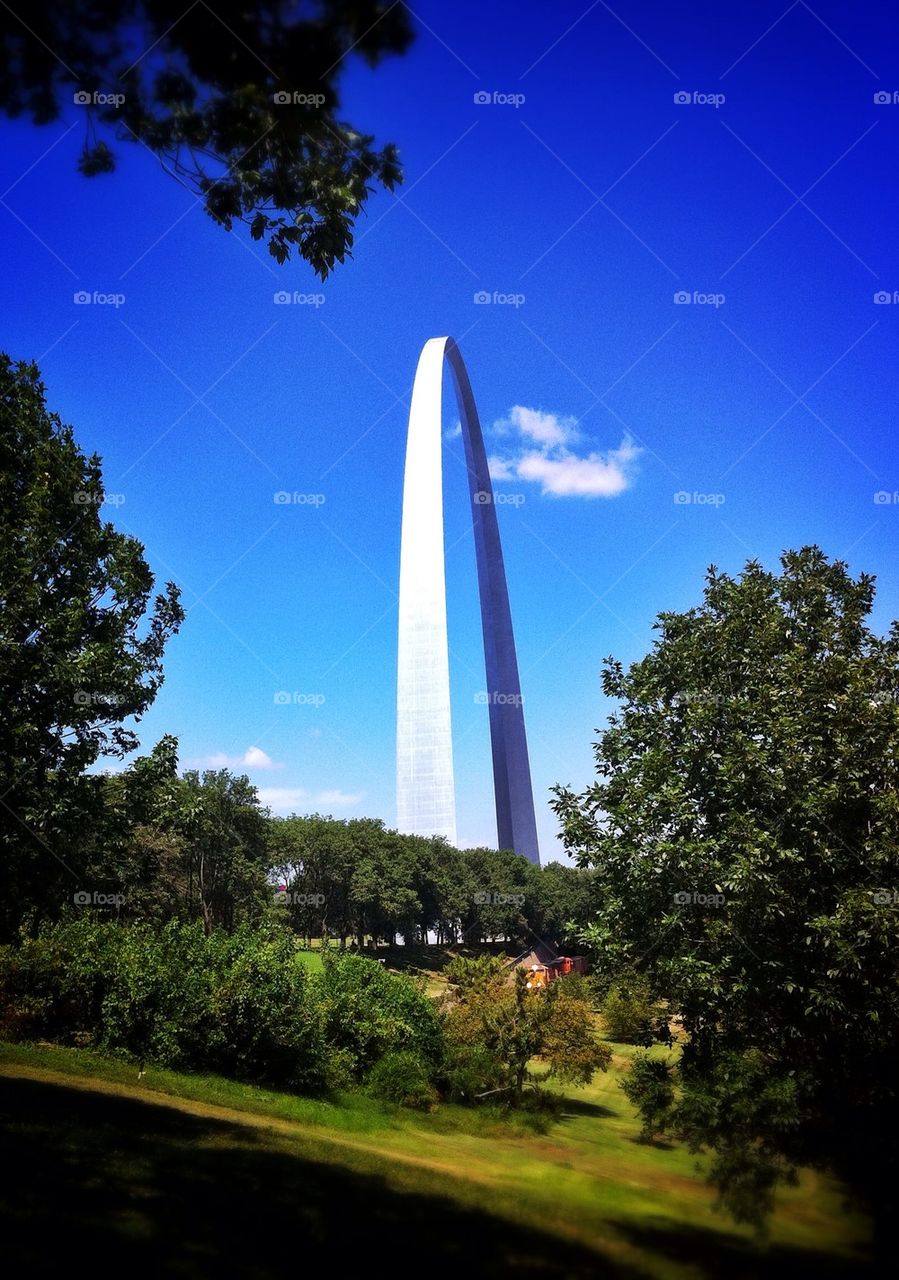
<point>425,795</point>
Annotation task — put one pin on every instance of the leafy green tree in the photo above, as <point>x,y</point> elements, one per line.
<point>241,1004</point>
<point>80,655</point>
<point>369,1012</point>
<point>743,831</point>
<point>494,1021</point>
<point>313,858</point>
<point>225,837</point>
<point>558,901</point>
<point>630,1014</point>
<point>240,104</point>
<point>498,881</point>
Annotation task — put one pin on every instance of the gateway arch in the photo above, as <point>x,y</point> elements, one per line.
<point>424,751</point>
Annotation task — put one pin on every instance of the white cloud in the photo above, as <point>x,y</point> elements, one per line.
<point>547,429</point>
<point>559,463</point>
<point>338,799</point>
<point>454,432</point>
<point>252,758</point>
<point>500,469</point>
<point>286,800</point>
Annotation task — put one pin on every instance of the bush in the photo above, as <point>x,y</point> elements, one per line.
<point>240,1005</point>
<point>649,1086</point>
<point>368,1012</point>
<point>403,1077</point>
<point>629,1013</point>
<point>471,1071</point>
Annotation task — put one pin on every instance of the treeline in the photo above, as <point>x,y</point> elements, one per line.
<point>244,1005</point>
<point>156,846</point>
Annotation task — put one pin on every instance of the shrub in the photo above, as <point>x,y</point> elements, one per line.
<point>649,1086</point>
<point>239,1004</point>
<point>629,1013</point>
<point>472,1071</point>
<point>368,1012</point>
<point>403,1078</point>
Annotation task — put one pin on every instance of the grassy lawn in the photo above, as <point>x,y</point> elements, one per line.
<point>195,1176</point>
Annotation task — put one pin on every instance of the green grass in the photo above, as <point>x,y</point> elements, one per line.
<point>583,1198</point>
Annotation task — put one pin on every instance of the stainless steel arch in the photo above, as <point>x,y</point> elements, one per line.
<point>425,795</point>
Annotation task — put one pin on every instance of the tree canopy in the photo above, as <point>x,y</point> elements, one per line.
<point>239,102</point>
<point>743,835</point>
<point>81,644</point>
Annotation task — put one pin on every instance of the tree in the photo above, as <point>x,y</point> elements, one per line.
<point>238,102</point>
<point>558,901</point>
<point>226,847</point>
<point>495,1026</point>
<point>743,831</point>
<point>76,660</point>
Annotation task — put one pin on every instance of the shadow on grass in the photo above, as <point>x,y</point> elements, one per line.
<point>125,1188</point>
<point>716,1254</point>
<point>416,958</point>
<point>581,1107</point>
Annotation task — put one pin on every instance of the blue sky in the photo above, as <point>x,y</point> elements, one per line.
<point>584,191</point>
